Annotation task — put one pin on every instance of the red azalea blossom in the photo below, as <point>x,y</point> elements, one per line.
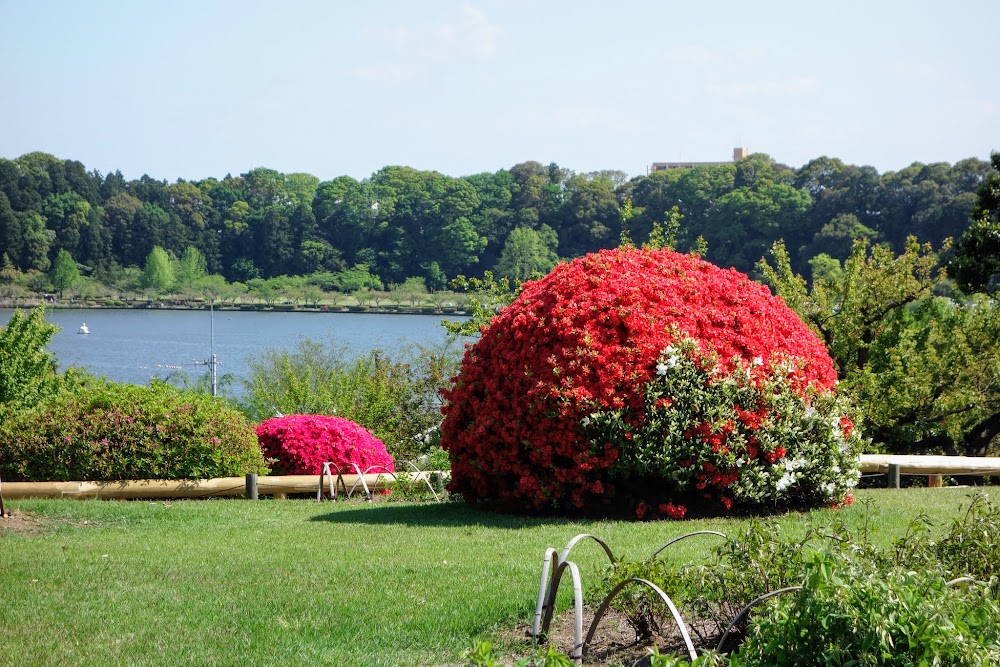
<point>300,444</point>
<point>673,511</point>
<point>776,455</point>
<point>846,426</point>
<point>587,338</point>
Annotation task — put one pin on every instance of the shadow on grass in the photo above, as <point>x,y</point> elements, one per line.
<point>433,514</point>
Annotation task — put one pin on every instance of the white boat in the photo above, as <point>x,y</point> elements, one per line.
<point>83,329</point>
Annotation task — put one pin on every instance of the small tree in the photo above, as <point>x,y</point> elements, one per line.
<point>191,267</point>
<point>158,274</point>
<point>64,274</point>
<point>27,370</point>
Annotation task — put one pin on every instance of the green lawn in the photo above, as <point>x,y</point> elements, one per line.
<point>235,582</point>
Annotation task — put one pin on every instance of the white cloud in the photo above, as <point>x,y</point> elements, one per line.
<point>471,34</point>
<point>577,116</point>
<point>689,55</point>
<point>984,107</point>
<point>389,74</point>
<point>765,87</point>
<point>693,54</point>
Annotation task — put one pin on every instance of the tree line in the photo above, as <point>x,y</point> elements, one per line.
<point>404,222</point>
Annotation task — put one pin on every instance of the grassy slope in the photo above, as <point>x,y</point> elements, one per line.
<point>296,582</point>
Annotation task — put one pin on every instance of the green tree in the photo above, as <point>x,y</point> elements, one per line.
<point>525,254</point>
<point>976,265</point>
<point>37,240</point>
<point>413,291</point>
<point>191,267</point>
<point>358,277</point>
<point>27,370</point>
<point>590,217</point>
<point>213,287</point>
<point>837,237</point>
<point>917,366</point>
<point>64,274</point>
<point>158,273</point>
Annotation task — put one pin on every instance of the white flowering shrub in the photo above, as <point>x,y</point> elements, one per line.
<point>750,436</point>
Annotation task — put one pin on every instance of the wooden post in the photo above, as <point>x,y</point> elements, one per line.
<point>893,475</point>
<point>935,481</point>
<point>252,486</point>
<point>437,482</point>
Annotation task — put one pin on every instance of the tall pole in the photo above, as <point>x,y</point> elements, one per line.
<point>215,383</point>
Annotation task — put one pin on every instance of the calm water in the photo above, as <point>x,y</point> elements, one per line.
<point>136,345</point>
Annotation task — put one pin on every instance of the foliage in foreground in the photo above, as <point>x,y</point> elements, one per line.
<point>100,430</point>
<point>575,394</point>
<point>858,604</point>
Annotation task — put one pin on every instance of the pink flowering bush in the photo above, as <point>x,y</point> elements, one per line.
<point>647,380</point>
<point>300,444</point>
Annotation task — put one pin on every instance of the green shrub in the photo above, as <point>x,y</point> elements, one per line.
<point>969,548</point>
<point>27,370</point>
<point>106,431</point>
<point>860,605</point>
<point>850,612</point>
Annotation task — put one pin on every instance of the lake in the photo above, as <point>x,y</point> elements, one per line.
<point>134,345</point>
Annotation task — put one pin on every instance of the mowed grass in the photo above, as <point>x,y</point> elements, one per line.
<point>236,582</point>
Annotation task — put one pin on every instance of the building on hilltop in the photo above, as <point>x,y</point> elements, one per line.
<point>738,154</point>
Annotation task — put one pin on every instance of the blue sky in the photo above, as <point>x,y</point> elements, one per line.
<point>185,89</point>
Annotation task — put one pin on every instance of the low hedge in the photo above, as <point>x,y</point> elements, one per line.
<point>106,431</point>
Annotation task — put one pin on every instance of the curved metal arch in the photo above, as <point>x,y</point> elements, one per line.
<point>361,477</point>
<point>421,474</point>
<point>550,562</point>
<point>555,563</point>
<point>334,481</point>
<point>678,620</point>
<point>579,538</point>
<point>684,537</point>
<point>746,610</point>
<point>553,591</point>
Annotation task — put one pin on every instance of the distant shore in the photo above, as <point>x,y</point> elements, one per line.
<point>145,304</point>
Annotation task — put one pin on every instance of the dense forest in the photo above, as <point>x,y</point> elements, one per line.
<point>403,222</point>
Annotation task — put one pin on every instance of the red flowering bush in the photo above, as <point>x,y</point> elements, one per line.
<point>300,444</point>
<point>568,398</point>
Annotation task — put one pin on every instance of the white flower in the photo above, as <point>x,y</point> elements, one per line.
<point>795,464</point>
<point>667,364</point>
<point>786,481</point>
<point>585,422</point>
<point>669,350</point>
<point>758,361</point>
<point>828,489</point>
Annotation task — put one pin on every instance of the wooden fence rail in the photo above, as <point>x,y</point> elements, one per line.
<point>277,485</point>
<point>931,465</point>
<point>281,485</point>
